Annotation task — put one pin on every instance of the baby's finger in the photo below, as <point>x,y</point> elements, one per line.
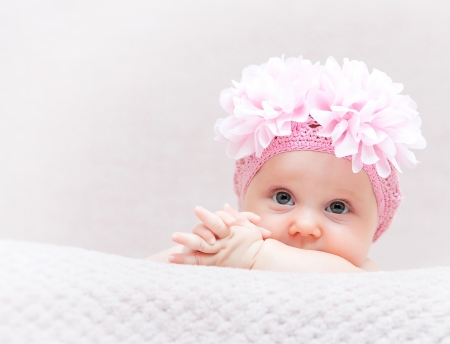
<point>204,233</point>
<point>252,217</point>
<point>196,258</point>
<point>265,233</point>
<point>228,208</point>
<point>213,222</point>
<point>236,214</point>
<point>226,217</point>
<point>194,242</point>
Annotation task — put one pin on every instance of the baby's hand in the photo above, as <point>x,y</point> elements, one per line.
<point>239,239</point>
<point>230,217</point>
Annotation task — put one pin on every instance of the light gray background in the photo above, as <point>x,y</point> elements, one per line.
<point>107,109</point>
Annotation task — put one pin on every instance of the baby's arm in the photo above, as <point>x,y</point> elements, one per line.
<point>278,264</point>
<point>276,256</point>
<point>270,255</point>
<point>162,257</point>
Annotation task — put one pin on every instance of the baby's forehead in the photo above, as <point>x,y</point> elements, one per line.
<point>299,161</point>
<point>317,168</point>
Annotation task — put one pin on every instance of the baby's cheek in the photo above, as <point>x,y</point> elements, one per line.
<point>273,226</point>
<point>351,250</point>
<point>355,239</point>
<point>357,259</point>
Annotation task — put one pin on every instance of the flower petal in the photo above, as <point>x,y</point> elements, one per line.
<point>357,163</point>
<point>383,168</point>
<point>263,137</point>
<point>323,117</point>
<point>405,156</point>
<point>387,147</point>
<point>368,155</point>
<point>237,150</point>
<point>346,146</point>
<point>226,100</point>
<point>339,129</point>
<point>328,130</point>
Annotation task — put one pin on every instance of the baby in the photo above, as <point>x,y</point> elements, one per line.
<point>316,149</point>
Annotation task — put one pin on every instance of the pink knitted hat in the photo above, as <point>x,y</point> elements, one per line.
<point>286,105</point>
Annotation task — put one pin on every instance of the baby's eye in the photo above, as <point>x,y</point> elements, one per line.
<point>283,198</point>
<point>337,207</point>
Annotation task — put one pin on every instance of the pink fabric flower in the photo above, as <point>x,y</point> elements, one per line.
<point>363,113</point>
<point>366,117</point>
<point>265,102</point>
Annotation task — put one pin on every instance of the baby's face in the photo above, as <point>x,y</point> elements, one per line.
<point>314,201</point>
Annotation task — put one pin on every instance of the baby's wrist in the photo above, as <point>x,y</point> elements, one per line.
<point>263,254</point>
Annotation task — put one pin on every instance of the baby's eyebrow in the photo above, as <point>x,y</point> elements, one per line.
<point>350,193</point>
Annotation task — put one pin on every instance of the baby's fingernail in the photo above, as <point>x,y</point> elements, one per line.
<point>212,241</point>
<point>174,236</point>
<point>171,258</point>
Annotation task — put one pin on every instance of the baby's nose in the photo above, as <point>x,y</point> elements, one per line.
<point>306,224</point>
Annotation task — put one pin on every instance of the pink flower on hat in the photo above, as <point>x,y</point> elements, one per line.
<point>365,116</point>
<point>363,113</point>
<point>265,102</point>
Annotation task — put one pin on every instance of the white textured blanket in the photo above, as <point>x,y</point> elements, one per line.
<point>52,294</point>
